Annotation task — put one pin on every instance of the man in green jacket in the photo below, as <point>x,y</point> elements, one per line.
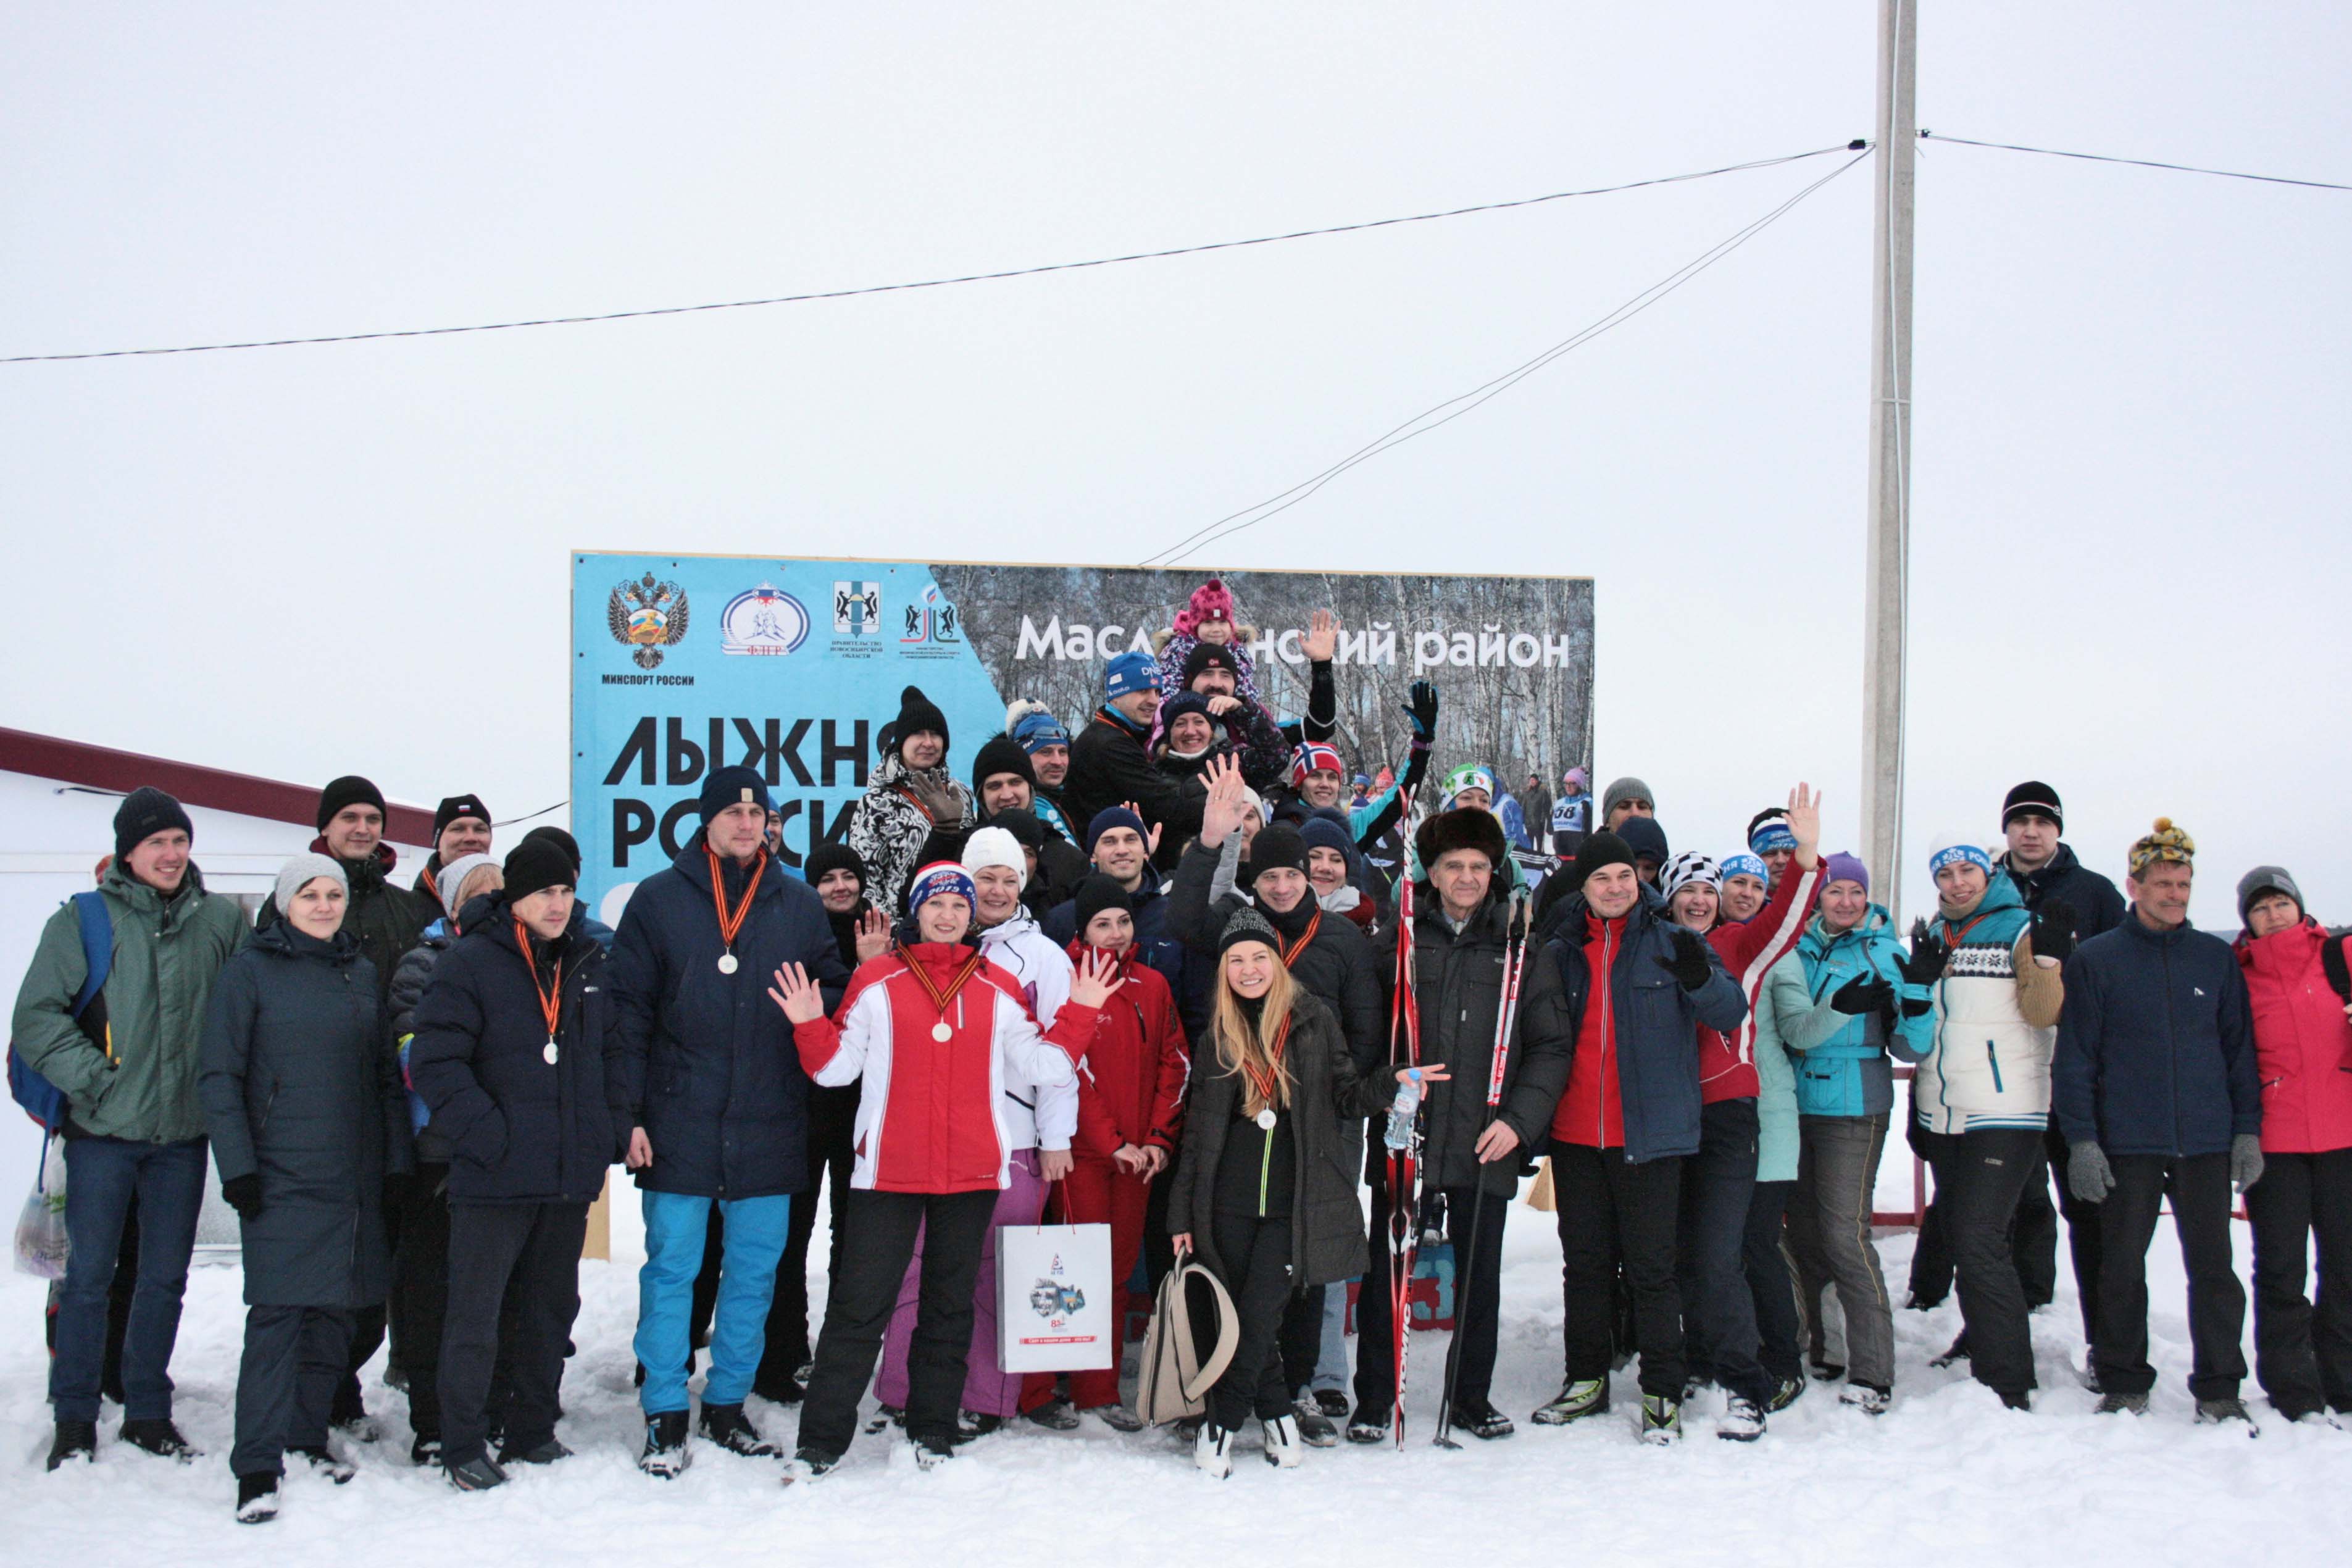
<point>127,1067</point>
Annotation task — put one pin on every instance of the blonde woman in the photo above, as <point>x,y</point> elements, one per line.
<point>1264,1193</point>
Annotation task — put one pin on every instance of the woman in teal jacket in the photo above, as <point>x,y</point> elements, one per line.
<point>1842,1009</point>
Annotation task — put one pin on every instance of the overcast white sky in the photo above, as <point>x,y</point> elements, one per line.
<point>2130,518</point>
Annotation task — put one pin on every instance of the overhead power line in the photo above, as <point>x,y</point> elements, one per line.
<point>938,282</point>
<point>1422,424</point>
<point>2135,162</point>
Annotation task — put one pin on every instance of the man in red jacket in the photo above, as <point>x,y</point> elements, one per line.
<point>2299,988</point>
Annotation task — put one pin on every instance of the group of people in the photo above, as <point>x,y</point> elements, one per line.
<point>1157,973</point>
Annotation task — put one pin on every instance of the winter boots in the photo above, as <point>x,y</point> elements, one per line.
<point>2219,1412</point>
<point>256,1499</point>
<point>1283,1449</point>
<point>1315,1428</point>
<point>811,1465</point>
<point>1054,1415</point>
<point>326,1462</point>
<point>1370,1426</point>
<point>666,1452</point>
<point>1791,1389</point>
<point>1119,1418</point>
<point>1212,1451</point>
<point>1662,1419</point>
<point>1578,1397</point>
<point>727,1426</point>
<point>1482,1420</point>
<point>478,1474</point>
<point>547,1453</point>
<point>2122,1404</point>
<point>930,1453</point>
<point>75,1440</point>
<point>1742,1421</point>
<point>1868,1398</point>
<point>159,1439</point>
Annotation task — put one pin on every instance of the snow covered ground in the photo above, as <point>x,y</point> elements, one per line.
<point>1947,1477</point>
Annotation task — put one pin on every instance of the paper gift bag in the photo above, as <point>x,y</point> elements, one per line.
<point>1055,1310</point>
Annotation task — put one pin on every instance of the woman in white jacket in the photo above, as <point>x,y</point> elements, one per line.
<point>1039,1120</point>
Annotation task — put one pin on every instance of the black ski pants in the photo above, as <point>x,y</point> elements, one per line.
<point>1719,1330</point>
<point>294,1358</point>
<point>882,1227</point>
<point>2199,1186</point>
<point>1772,1285</point>
<point>832,1151</point>
<point>1611,1212</point>
<point>1478,1284</point>
<point>528,1254</point>
<point>1256,1254</point>
<point>1977,1176</point>
<point>2303,1357</point>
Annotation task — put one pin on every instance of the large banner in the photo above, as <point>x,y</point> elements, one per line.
<point>793,666</point>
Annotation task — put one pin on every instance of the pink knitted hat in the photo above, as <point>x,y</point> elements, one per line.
<point>1210,602</point>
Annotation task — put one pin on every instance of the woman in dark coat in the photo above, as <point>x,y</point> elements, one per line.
<point>1267,1188</point>
<point>511,1053</point>
<point>304,1107</point>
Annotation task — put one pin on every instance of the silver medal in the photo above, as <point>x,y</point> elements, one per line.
<point>551,1053</point>
<point>726,963</point>
<point>1265,1120</point>
<point>942,1032</point>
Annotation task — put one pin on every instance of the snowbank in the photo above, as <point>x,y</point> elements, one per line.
<point>1948,1476</point>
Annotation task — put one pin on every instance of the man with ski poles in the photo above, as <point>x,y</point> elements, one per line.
<point>1467,935</point>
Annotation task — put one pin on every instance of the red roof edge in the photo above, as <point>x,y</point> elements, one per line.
<point>103,767</point>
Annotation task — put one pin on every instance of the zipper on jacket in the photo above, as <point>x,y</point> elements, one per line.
<point>1609,1033</point>
<point>1994,1058</point>
<point>2172,1039</point>
<point>1264,1167</point>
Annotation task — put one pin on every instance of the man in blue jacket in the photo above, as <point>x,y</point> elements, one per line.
<point>716,1098</point>
<point>2154,1089</point>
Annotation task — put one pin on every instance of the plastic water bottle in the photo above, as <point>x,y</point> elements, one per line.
<point>1403,1109</point>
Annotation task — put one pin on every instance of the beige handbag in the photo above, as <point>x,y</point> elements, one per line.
<point>1171,1380</point>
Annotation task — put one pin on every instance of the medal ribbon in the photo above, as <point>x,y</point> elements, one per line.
<point>1291,950</point>
<point>1263,1085</point>
<point>942,998</point>
<point>551,1001</point>
<point>728,924</point>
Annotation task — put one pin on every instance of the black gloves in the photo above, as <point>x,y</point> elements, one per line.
<point>1689,965</point>
<point>243,1194</point>
<point>1421,707</point>
<point>1862,996</point>
<point>2053,931</point>
<point>1929,953</point>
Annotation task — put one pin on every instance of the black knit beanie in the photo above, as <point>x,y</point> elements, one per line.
<point>559,839</point>
<point>1276,847</point>
<point>348,790</point>
<point>535,864</point>
<point>1096,893</point>
<point>2035,796</point>
<point>1599,850</point>
<point>723,787</point>
<point>1247,925</point>
<point>1000,754</point>
<point>456,806</point>
<point>145,812</point>
<point>916,712</point>
<point>831,856</point>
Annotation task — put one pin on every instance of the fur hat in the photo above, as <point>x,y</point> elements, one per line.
<point>1464,827</point>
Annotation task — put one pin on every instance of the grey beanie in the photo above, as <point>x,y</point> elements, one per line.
<point>1623,790</point>
<point>2266,879</point>
<point>451,878</point>
<point>1246,924</point>
<point>301,870</point>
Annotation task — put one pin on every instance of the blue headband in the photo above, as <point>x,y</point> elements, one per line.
<point>1959,852</point>
<point>940,876</point>
<point>1744,866</point>
<point>1771,836</point>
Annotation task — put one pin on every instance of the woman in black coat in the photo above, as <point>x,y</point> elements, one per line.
<point>1267,1188</point>
<point>304,1107</point>
<point>509,1052</point>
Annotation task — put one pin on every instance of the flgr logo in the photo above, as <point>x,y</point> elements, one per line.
<point>763,620</point>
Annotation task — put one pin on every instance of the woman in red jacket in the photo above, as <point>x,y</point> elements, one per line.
<point>1130,1112</point>
<point>2297,982</point>
<point>931,1033</point>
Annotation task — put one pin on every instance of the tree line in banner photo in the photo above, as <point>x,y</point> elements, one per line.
<point>795,667</point>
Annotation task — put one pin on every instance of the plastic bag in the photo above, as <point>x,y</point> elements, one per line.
<point>41,1226</point>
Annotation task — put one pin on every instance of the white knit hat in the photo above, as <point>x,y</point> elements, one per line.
<point>301,870</point>
<point>996,846</point>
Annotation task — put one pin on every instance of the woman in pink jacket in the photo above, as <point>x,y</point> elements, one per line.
<point>2297,981</point>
